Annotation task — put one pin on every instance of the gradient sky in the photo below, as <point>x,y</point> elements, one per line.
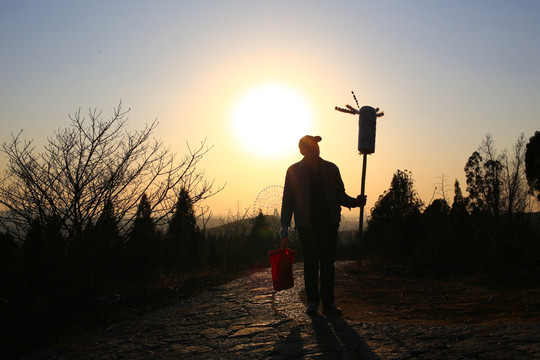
<point>445,73</point>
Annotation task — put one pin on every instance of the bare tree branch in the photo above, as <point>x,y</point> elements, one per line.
<point>93,161</point>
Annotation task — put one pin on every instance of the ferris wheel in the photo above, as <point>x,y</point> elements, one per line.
<point>268,201</point>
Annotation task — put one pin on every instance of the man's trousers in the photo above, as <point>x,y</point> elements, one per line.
<point>319,251</point>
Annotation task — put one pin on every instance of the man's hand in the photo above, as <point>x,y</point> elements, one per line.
<point>361,200</point>
<point>284,232</point>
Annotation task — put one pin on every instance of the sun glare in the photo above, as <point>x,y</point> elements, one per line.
<point>269,120</point>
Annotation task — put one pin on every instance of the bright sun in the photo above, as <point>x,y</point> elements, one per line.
<point>269,120</point>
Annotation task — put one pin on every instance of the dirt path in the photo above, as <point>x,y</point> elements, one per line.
<point>246,319</point>
<point>395,296</point>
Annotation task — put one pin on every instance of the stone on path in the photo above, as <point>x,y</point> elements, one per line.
<point>246,319</point>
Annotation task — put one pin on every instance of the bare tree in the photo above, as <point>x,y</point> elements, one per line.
<point>496,182</point>
<point>483,173</point>
<point>514,181</point>
<point>93,161</point>
<point>492,174</point>
<point>441,188</point>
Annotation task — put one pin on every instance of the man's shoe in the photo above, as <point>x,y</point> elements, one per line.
<point>311,308</point>
<point>331,310</point>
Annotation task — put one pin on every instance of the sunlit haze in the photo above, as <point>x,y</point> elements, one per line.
<point>268,120</point>
<point>251,77</point>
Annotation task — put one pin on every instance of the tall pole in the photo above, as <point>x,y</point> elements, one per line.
<point>367,122</point>
<point>361,220</point>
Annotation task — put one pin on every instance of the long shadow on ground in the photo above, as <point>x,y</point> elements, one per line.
<point>335,335</point>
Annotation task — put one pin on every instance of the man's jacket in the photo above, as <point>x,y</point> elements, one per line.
<point>296,194</point>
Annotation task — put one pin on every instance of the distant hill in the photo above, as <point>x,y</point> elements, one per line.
<point>242,226</point>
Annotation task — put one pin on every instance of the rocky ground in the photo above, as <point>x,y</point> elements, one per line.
<point>388,314</point>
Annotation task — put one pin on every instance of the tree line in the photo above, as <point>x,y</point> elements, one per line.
<point>103,214</point>
<point>493,229</point>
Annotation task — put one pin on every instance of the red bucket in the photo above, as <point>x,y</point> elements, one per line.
<point>281,261</point>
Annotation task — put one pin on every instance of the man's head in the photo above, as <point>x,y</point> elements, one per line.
<point>309,145</point>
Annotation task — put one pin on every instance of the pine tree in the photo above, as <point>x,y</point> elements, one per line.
<point>395,224</point>
<point>400,200</point>
<point>103,249</point>
<point>459,206</point>
<point>143,247</point>
<point>183,233</point>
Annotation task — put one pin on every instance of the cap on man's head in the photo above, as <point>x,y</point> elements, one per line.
<point>308,144</point>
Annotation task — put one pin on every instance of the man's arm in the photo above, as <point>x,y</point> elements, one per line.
<point>344,199</point>
<point>287,202</point>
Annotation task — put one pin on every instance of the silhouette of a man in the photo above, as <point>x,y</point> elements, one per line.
<point>314,193</point>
